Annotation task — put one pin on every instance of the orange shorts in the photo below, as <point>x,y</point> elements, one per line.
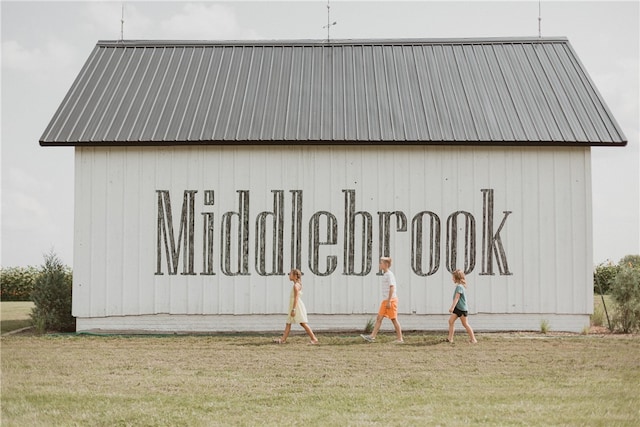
<point>389,312</point>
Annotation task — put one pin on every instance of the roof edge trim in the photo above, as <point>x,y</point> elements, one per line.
<point>336,42</point>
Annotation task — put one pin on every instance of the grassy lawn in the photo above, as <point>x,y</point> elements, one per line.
<point>14,315</point>
<point>506,379</point>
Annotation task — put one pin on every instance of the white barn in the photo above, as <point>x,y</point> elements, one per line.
<point>205,171</point>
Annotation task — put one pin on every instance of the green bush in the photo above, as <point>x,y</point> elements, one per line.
<point>625,292</point>
<point>603,276</point>
<point>52,297</point>
<point>16,283</point>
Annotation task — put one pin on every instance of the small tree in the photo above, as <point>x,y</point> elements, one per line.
<point>52,297</point>
<point>603,276</point>
<point>625,291</point>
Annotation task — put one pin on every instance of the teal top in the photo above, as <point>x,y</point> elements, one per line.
<point>462,302</point>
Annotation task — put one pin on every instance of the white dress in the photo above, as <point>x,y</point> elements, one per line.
<point>301,311</point>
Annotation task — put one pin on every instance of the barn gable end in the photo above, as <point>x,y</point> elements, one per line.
<point>205,171</point>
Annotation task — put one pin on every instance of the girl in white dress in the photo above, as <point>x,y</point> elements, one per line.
<point>297,310</point>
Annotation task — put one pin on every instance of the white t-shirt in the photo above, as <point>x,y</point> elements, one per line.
<point>387,280</point>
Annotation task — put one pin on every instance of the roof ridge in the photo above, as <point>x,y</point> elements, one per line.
<point>336,42</point>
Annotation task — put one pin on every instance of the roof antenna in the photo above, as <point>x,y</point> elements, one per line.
<point>539,19</point>
<point>122,23</point>
<point>329,23</point>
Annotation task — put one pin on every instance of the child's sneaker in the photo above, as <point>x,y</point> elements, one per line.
<point>367,338</point>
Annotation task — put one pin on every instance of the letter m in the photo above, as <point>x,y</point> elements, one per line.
<point>166,237</point>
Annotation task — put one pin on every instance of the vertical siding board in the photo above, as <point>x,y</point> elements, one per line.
<point>99,226</point>
<point>565,221</point>
<point>529,278</point>
<point>114,225</point>
<point>83,214</point>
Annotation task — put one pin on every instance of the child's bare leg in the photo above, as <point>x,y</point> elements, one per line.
<point>466,325</point>
<point>376,327</point>
<point>452,320</point>
<point>285,335</point>
<point>309,332</point>
<point>398,329</point>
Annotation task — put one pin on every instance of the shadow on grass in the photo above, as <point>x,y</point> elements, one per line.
<point>7,326</point>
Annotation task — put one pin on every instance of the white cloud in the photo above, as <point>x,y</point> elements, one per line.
<point>54,56</point>
<point>204,22</point>
<point>25,212</point>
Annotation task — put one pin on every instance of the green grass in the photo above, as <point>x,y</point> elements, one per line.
<point>506,379</point>
<point>14,315</point>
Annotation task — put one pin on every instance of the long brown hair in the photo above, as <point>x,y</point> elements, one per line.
<point>459,277</point>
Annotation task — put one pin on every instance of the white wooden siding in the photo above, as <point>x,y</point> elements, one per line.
<point>547,237</point>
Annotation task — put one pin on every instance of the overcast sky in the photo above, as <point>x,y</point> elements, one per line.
<point>44,45</point>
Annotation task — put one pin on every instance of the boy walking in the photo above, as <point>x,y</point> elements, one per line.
<point>389,304</point>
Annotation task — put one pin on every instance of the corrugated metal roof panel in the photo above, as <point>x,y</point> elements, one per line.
<point>465,91</point>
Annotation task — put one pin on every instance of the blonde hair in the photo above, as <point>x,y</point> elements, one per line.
<point>459,277</point>
<point>297,274</point>
<point>386,259</point>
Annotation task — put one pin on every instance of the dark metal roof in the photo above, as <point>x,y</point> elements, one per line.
<point>524,91</point>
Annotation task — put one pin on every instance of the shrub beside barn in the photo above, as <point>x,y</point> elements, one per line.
<point>206,171</point>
